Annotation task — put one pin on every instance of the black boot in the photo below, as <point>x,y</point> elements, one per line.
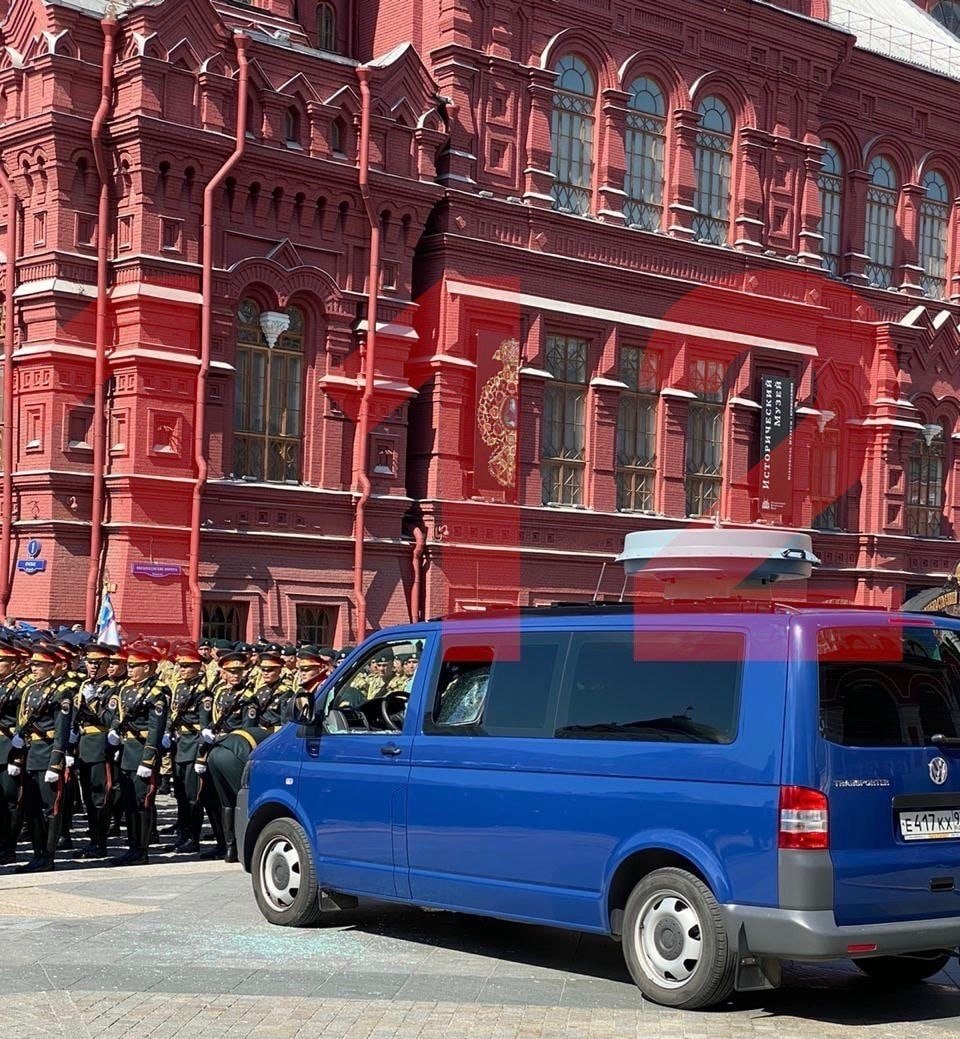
<point>229,835</point>
<point>133,838</point>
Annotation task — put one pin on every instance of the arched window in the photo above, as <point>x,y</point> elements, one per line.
<point>269,389</point>
<point>645,147</point>
<point>947,13</point>
<point>925,485</point>
<point>291,127</point>
<point>825,474</point>
<point>881,221</point>
<point>830,182</point>
<point>713,161</point>
<point>326,28</point>
<point>338,136</point>
<point>572,135</point>
<point>934,222</point>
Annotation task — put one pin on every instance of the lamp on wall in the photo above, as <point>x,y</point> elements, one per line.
<point>931,432</point>
<point>273,323</point>
<point>824,419</point>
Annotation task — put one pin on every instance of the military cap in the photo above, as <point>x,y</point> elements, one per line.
<point>205,643</point>
<point>233,661</point>
<point>141,653</point>
<point>161,645</point>
<point>186,654</point>
<point>288,650</point>
<point>270,647</point>
<point>268,661</point>
<point>223,645</point>
<point>385,656</point>
<point>241,647</point>
<point>8,652</point>
<point>44,655</point>
<point>97,651</point>
<point>346,651</point>
<point>119,655</point>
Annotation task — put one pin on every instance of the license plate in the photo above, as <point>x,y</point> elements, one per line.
<point>932,825</point>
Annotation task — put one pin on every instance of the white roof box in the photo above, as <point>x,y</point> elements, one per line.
<point>717,561</point>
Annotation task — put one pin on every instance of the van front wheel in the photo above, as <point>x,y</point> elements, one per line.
<point>904,970</point>
<point>284,878</point>
<point>674,941</point>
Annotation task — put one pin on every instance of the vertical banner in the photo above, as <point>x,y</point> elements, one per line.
<point>497,397</point>
<point>777,421</point>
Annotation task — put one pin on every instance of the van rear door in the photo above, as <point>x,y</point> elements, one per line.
<point>889,715</point>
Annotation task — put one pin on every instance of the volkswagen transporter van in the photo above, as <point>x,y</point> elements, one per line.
<point>718,790</point>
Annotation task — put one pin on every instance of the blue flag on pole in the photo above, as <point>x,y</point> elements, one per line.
<point>107,631</point>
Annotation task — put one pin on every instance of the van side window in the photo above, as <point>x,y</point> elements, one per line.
<point>673,686</point>
<point>497,687</point>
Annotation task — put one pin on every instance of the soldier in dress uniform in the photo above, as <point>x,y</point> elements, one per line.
<point>288,654</point>
<point>144,705</point>
<point>10,694</point>
<point>68,676</point>
<point>96,704</point>
<point>190,714</point>
<point>381,669</point>
<point>275,692</point>
<point>227,741</point>
<point>40,758</point>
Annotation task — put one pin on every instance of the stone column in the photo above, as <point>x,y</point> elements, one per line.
<point>854,260</point>
<point>604,406</point>
<point>683,186</point>
<point>910,270</point>
<point>672,440</point>
<point>811,237</point>
<point>537,175</point>
<point>613,166</point>
<point>749,203</point>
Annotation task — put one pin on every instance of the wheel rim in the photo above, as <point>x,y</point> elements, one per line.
<point>668,939</point>
<point>280,873</point>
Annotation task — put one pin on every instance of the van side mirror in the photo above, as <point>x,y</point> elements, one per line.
<point>303,710</point>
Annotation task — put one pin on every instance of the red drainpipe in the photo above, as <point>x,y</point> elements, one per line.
<point>206,331</point>
<point>110,29</point>
<point>419,544</point>
<point>6,533</point>
<point>361,452</point>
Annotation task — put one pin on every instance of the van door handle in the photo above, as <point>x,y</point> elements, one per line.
<point>313,748</point>
<point>391,750</point>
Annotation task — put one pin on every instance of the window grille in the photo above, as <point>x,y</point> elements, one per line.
<point>713,163</point>
<point>267,402</point>
<point>947,13</point>
<point>925,489</point>
<point>572,136</point>
<point>825,480</point>
<point>564,422</point>
<point>881,222</point>
<point>645,150</point>
<point>223,620</point>
<point>637,431</point>
<point>830,183</point>
<point>934,223</point>
<point>704,468</point>
<point>316,625</point>
<point>326,28</point>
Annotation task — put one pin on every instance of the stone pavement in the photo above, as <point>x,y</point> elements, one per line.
<point>179,950</point>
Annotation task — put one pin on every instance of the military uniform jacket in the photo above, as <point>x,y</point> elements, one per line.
<point>191,712</point>
<point>44,721</point>
<point>273,704</point>
<point>231,707</point>
<point>97,709</point>
<point>11,692</point>
<point>143,713</point>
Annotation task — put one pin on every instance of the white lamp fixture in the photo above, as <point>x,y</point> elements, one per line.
<point>824,419</point>
<point>273,323</point>
<point>931,432</point>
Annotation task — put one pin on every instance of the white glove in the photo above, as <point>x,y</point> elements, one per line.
<point>17,741</point>
<point>113,738</point>
<point>74,735</point>
<point>13,770</point>
<point>70,760</point>
<point>199,768</point>
<point>144,772</point>
<point>165,741</point>
<point>89,691</point>
<point>207,736</point>
<point>51,777</point>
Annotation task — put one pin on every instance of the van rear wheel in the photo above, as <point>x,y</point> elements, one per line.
<point>904,970</point>
<point>284,877</point>
<point>674,941</point>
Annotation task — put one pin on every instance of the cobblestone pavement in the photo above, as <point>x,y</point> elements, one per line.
<point>179,950</point>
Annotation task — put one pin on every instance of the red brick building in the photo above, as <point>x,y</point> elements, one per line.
<point>609,256</point>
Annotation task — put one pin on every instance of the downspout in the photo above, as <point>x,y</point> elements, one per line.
<point>361,452</point>
<point>110,29</point>
<point>206,332</point>
<point>419,544</point>
<point>6,524</point>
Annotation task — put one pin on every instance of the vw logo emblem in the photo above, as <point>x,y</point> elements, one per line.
<point>938,771</point>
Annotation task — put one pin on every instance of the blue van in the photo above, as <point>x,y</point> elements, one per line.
<point>718,790</point>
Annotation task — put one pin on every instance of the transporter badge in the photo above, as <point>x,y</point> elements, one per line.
<point>938,771</point>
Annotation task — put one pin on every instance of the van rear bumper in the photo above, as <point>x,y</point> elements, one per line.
<point>798,934</point>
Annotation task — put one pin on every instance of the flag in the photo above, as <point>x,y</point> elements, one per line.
<point>107,632</point>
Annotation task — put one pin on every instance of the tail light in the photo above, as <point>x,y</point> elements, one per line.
<point>804,817</point>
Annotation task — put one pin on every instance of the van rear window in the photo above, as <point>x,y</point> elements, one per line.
<point>891,686</point>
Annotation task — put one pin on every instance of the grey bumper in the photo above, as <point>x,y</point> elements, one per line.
<point>798,934</point>
<point>240,825</point>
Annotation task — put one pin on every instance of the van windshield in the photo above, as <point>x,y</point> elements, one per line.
<point>891,686</point>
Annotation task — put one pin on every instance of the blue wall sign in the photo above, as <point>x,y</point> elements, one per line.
<point>31,566</point>
<point>33,548</point>
<point>156,569</point>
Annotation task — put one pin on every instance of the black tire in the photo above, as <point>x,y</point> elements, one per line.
<point>904,970</point>
<point>284,876</point>
<point>668,913</point>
